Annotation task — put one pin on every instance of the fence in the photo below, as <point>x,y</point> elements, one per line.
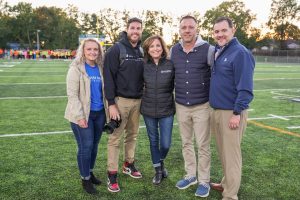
<point>277,56</point>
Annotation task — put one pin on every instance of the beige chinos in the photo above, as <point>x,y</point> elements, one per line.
<point>130,113</point>
<point>229,149</point>
<point>193,123</point>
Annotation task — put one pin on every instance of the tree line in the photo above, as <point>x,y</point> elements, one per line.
<point>59,28</point>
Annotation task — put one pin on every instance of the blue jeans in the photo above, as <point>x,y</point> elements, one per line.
<point>88,140</point>
<point>160,134</point>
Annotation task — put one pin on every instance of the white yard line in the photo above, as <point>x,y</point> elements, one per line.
<point>49,133</point>
<point>279,117</point>
<point>266,79</point>
<point>30,134</point>
<point>46,97</point>
<point>293,127</point>
<point>16,63</point>
<point>280,95</point>
<point>274,89</point>
<point>35,72</point>
<point>281,72</point>
<point>260,118</point>
<point>53,83</point>
<point>6,65</point>
<point>32,76</point>
<point>273,117</point>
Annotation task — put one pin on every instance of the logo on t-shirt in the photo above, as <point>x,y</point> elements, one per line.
<point>165,71</point>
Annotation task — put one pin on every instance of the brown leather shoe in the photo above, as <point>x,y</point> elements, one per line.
<point>217,186</point>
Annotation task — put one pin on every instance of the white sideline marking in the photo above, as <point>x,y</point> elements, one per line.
<point>274,89</point>
<point>265,79</point>
<point>279,117</point>
<point>281,94</point>
<point>33,76</point>
<point>12,63</point>
<point>263,118</point>
<point>54,83</point>
<point>29,134</point>
<point>293,127</point>
<point>48,133</point>
<point>46,97</point>
<point>260,118</point>
<point>250,110</point>
<point>6,65</point>
<point>38,71</point>
<point>280,72</point>
<point>1,70</point>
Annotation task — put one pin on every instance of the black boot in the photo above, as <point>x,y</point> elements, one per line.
<point>88,186</point>
<point>94,179</point>
<point>158,176</point>
<point>163,169</point>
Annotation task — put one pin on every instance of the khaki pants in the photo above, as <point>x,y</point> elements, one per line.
<point>130,114</point>
<point>229,148</point>
<point>193,123</point>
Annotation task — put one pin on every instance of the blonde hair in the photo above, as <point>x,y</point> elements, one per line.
<point>80,58</point>
<point>149,41</point>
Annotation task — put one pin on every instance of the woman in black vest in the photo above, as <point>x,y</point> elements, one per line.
<point>158,107</point>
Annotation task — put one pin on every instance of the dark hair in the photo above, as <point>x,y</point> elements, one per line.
<point>227,19</point>
<point>188,17</point>
<point>134,19</point>
<point>149,41</point>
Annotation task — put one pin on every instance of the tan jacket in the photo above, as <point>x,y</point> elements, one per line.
<point>79,94</point>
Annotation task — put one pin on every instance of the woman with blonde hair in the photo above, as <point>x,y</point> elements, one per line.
<point>158,107</point>
<point>85,108</point>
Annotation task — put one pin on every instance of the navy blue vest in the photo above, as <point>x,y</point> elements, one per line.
<point>192,75</point>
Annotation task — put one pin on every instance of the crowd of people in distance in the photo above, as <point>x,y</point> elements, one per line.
<point>37,54</point>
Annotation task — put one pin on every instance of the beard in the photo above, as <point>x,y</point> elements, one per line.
<point>134,41</point>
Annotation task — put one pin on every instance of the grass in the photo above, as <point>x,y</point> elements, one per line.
<point>44,166</point>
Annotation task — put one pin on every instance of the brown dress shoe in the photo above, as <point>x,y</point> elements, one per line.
<point>217,186</point>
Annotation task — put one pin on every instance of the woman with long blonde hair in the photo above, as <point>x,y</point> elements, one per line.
<point>85,108</point>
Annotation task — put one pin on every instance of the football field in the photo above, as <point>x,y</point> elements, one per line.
<point>38,150</point>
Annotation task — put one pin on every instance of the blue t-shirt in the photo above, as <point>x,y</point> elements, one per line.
<point>96,87</point>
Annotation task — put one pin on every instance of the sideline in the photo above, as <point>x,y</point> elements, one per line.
<point>43,133</point>
<point>274,89</point>
<point>7,65</point>
<point>267,79</point>
<point>33,75</point>
<point>53,83</point>
<point>293,127</point>
<point>46,97</point>
<point>49,133</point>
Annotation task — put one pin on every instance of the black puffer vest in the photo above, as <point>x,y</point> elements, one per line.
<point>158,98</point>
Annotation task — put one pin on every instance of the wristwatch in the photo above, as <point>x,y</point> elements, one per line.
<point>236,113</point>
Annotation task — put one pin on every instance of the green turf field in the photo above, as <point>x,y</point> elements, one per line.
<point>41,163</point>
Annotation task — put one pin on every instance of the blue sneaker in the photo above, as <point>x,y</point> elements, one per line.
<point>186,182</point>
<point>202,190</point>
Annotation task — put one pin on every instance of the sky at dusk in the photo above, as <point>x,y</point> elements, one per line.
<point>177,7</point>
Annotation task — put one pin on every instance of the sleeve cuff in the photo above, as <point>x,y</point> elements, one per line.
<point>111,102</point>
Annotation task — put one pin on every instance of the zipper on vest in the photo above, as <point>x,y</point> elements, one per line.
<point>156,89</point>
